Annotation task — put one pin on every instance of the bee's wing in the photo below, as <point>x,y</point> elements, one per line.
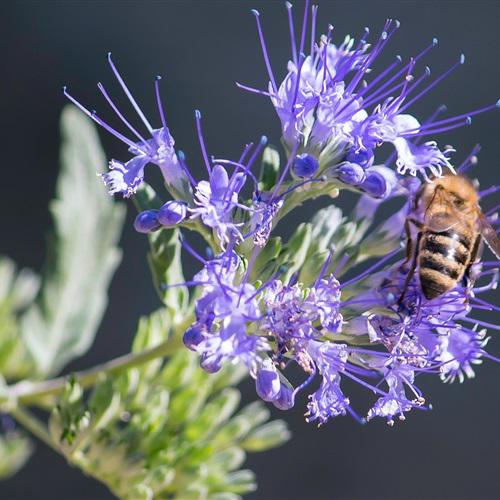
<point>441,222</point>
<point>440,214</point>
<point>489,234</point>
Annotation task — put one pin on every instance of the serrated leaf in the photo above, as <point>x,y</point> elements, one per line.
<point>83,253</point>
<point>164,257</point>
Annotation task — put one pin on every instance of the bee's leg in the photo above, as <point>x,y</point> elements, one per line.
<point>411,272</point>
<point>466,280</point>
<point>409,241</point>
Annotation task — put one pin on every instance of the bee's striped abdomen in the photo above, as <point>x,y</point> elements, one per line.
<point>443,259</point>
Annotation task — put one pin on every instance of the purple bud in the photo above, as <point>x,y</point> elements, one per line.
<point>305,166</point>
<point>268,385</point>
<point>375,185</point>
<point>349,173</point>
<point>192,337</point>
<point>172,213</point>
<point>210,363</point>
<point>363,157</point>
<point>147,221</point>
<point>286,398</point>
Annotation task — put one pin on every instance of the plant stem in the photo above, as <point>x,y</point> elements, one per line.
<point>32,424</point>
<point>27,392</point>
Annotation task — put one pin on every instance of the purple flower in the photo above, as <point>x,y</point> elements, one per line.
<point>216,200</point>
<point>334,106</point>
<point>329,400</point>
<point>396,403</point>
<point>223,311</point>
<point>126,177</point>
<point>261,221</point>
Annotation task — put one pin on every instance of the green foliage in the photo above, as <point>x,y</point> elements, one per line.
<point>17,290</point>
<point>15,450</point>
<point>164,429</point>
<point>164,256</point>
<point>270,169</point>
<point>83,255</point>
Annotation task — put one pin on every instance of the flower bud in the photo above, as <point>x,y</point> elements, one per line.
<point>286,398</point>
<point>348,173</point>
<point>305,166</point>
<point>147,221</point>
<point>192,337</point>
<point>172,213</point>
<point>362,157</point>
<point>268,384</point>
<point>210,363</point>
<point>375,185</point>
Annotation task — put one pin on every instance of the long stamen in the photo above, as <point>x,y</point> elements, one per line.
<point>491,190</point>
<point>159,102</point>
<point>371,268</point>
<point>470,160</point>
<point>100,86</point>
<point>245,152</point>
<point>378,48</point>
<point>420,133</point>
<point>304,27</point>
<point>182,160</point>
<point>434,83</point>
<point>197,115</point>
<point>191,250</point>
<point>293,43</point>
<point>401,71</point>
<point>285,171</point>
<point>314,12</point>
<point>103,124</point>
<point>481,323</point>
<point>462,116</point>
<point>254,90</point>
<point>129,95</point>
<point>264,50</point>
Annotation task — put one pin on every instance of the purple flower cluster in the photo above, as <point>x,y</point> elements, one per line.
<point>270,306</point>
<point>336,114</point>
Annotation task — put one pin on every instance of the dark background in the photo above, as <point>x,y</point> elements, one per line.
<point>201,48</point>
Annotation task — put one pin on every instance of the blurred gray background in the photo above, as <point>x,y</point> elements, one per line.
<point>201,48</point>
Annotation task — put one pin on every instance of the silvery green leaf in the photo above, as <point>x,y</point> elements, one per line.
<point>15,450</point>
<point>164,257</point>
<point>385,237</point>
<point>269,169</point>
<point>83,253</point>
<point>267,436</point>
<point>295,251</point>
<point>265,264</point>
<point>228,459</point>
<point>217,411</point>
<point>19,288</point>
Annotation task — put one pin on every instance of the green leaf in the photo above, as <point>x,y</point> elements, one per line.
<point>270,169</point>
<point>17,290</point>
<point>267,436</point>
<point>83,253</point>
<point>164,257</point>
<point>15,450</point>
<point>295,251</point>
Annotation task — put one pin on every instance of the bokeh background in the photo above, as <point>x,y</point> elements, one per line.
<point>201,48</point>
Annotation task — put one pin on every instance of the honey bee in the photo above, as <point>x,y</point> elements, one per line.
<point>451,227</point>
